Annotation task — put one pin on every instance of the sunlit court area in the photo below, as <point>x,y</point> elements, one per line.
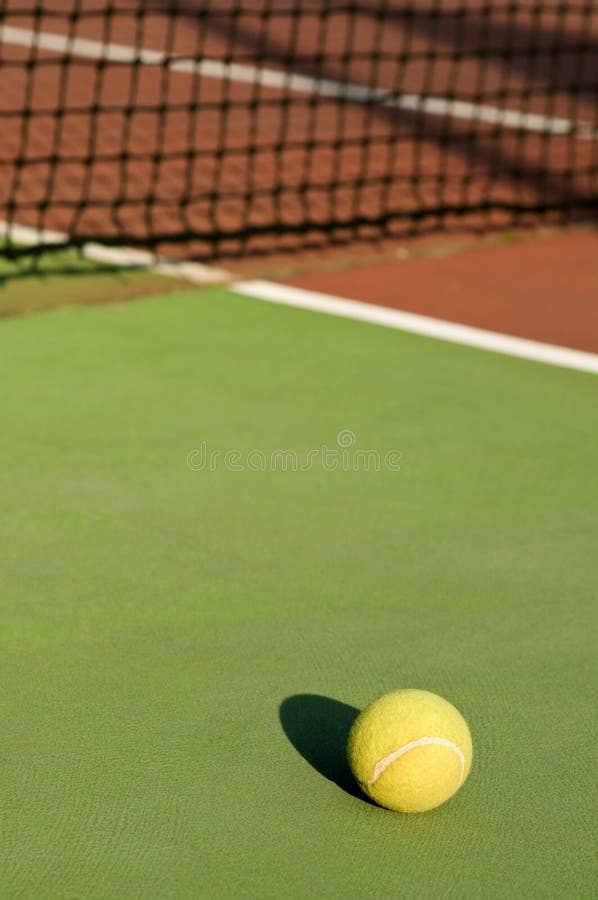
<point>299,367</point>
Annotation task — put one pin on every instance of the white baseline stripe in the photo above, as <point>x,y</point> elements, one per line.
<point>214,68</point>
<point>22,234</point>
<point>197,273</point>
<point>387,761</point>
<point>416,324</point>
<point>323,303</point>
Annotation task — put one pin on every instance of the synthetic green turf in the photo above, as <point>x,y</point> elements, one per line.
<point>183,651</point>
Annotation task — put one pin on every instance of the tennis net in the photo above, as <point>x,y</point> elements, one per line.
<point>217,127</point>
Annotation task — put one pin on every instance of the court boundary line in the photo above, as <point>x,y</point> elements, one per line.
<point>127,257</point>
<point>314,301</point>
<point>272,78</point>
<point>413,323</point>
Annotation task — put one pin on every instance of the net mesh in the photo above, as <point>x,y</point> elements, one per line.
<point>216,127</point>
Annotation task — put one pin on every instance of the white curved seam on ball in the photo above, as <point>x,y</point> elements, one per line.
<point>383,764</point>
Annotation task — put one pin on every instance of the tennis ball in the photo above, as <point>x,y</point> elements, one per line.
<point>410,750</point>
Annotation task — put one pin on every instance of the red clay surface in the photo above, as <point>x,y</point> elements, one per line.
<point>146,162</point>
<point>544,290</point>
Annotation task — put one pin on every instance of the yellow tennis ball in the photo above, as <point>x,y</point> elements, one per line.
<point>410,750</point>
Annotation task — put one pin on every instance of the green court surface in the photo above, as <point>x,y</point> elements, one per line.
<point>184,649</point>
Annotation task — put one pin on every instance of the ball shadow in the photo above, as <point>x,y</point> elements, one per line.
<point>318,728</point>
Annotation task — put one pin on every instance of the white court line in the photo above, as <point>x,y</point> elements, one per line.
<point>416,324</point>
<point>214,68</point>
<point>196,273</point>
<point>21,234</point>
